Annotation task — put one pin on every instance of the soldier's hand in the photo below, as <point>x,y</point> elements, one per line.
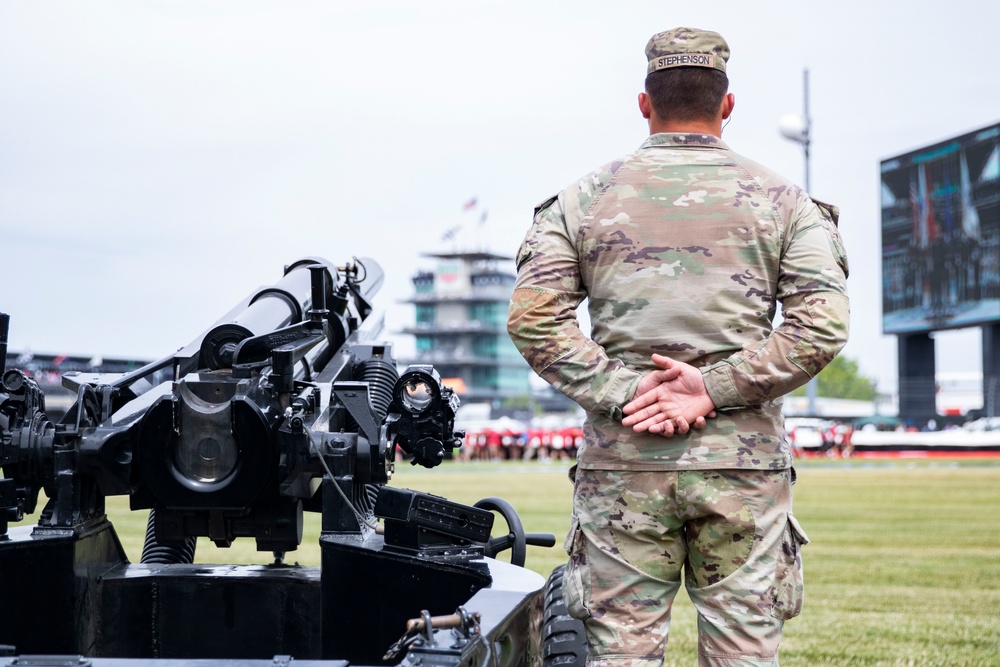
<point>668,401</point>
<point>654,379</point>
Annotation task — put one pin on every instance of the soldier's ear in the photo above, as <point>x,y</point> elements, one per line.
<point>645,105</point>
<point>728,103</point>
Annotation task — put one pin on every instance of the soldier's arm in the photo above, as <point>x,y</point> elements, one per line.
<point>543,324</point>
<point>812,289</point>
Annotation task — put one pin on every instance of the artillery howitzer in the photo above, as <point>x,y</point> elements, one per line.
<point>290,403</point>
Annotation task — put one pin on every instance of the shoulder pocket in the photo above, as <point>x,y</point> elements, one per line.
<point>530,243</point>
<point>831,214</point>
<point>545,204</point>
<point>829,211</point>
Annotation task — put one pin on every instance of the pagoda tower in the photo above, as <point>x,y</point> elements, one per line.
<point>461,326</point>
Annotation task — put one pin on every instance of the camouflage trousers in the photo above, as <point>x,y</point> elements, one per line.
<point>730,532</point>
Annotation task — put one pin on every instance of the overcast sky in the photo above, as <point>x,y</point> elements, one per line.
<point>160,160</point>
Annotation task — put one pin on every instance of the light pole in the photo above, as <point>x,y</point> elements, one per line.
<point>797,128</point>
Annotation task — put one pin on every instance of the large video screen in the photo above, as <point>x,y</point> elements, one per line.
<point>941,235</point>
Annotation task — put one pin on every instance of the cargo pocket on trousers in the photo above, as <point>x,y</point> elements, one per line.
<point>789,589</point>
<point>576,589</point>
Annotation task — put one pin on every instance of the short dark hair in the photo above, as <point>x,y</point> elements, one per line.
<point>686,93</point>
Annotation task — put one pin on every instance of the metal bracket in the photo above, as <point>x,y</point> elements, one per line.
<point>356,397</point>
<point>420,632</point>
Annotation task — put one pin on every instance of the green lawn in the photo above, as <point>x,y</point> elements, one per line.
<point>903,568</point>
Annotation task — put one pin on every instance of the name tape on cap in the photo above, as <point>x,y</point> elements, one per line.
<point>683,60</point>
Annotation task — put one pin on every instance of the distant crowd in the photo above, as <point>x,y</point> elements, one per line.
<point>533,444</point>
<point>828,438</point>
<point>808,438</point>
<point>822,438</point>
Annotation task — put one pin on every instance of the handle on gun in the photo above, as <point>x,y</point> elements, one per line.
<point>540,539</point>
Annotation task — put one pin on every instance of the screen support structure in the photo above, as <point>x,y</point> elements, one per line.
<point>916,377</point>
<point>991,370</point>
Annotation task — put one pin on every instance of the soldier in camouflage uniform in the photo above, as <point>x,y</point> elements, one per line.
<point>683,249</point>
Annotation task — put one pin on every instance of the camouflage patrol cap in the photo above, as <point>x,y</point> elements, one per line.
<point>686,47</point>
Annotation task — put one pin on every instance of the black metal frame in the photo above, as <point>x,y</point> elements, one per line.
<point>304,400</point>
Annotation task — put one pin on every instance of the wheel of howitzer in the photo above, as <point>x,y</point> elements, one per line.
<point>564,642</point>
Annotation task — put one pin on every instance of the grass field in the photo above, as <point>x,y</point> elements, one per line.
<point>903,568</point>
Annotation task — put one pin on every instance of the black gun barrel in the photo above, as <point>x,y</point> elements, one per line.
<point>270,308</point>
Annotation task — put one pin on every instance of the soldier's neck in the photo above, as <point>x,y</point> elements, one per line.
<point>713,127</point>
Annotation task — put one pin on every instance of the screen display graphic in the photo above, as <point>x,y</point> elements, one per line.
<point>941,235</point>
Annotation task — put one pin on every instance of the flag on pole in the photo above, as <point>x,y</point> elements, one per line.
<point>930,223</point>
<point>450,233</point>
<point>970,216</point>
<point>471,204</point>
<point>482,218</point>
<point>948,217</point>
<point>926,227</point>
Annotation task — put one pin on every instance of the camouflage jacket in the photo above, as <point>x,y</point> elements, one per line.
<point>682,248</point>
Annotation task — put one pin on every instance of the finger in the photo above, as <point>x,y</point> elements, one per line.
<point>662,361</point>
<point>711,415</point>
<point>699,423</point>
<point>680,425</point>
<point>669,374</point>
<point>639,416</point>
<point>639,402</point>
<point>663,427</point>
<point>665,375</point>
<point>649,424</point>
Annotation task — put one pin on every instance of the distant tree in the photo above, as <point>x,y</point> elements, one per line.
<point>522,401</point>
<point>842,379</point>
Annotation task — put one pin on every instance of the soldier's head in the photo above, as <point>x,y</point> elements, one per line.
<point>686,82</point>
